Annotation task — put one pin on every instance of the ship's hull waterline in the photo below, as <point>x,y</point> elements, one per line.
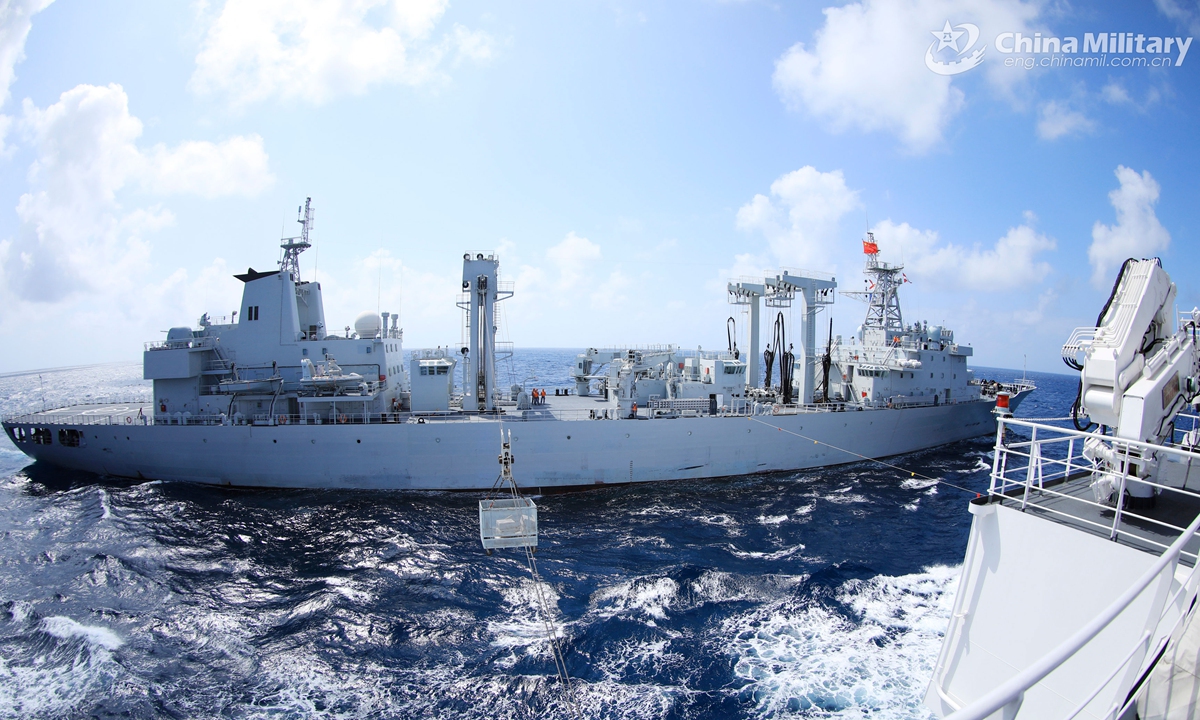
<point>439,455</point>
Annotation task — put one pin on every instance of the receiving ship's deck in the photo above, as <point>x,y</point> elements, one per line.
<point>1046,475</point>
<point>1073,504</point>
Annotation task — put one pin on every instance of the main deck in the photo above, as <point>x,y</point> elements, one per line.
<point>555,407</point>
<point>458,451</point>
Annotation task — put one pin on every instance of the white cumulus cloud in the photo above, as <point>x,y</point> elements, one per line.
<point>1013,261</point>
<point>1056,119</point>
<point>800,219</point>
<point>1184,12</point>
<point>1137,232</point>
<point>16,19</point>
<point>573,258</point>
<point>314,50</point>
<point>237,166</point>
<point>865,69</point>
<point>73,234</point>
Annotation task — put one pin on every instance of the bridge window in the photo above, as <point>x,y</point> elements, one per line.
<point>41,436</point>
<point>69,437</point>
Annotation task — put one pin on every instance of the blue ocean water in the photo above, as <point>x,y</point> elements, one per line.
<point>812,594</point>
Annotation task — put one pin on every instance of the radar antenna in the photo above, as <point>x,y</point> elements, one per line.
<point>289,261</point>
<point>883,304</point>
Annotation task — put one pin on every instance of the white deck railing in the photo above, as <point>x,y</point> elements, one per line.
<point>1025,472</point>
<point>1028,471</point>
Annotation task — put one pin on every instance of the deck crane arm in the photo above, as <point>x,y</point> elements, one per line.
<point>1138,370</point>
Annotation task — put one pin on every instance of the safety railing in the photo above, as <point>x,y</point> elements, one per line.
<point>1025,472</point>
<point>1035,471</point>
<point>203,342</point>
<point>336,418</point>
<point>115,419</point>
<point>103,409</point>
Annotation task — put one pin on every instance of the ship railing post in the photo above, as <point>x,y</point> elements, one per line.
<point>1000,461</point>
<point>996,455</point>
<point>1033,468</point>
<point>1010,710</point>
<point>1070,454</point>
<point>1120,500</point>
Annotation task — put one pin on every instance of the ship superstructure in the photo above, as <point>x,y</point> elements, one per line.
<point>275,397</point>
<point>274,360</point>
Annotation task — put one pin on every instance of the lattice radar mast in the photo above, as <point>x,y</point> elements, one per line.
<point>289,260</point>
<point>882,282</point>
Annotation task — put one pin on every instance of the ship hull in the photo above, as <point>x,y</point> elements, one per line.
<point>462,454</point>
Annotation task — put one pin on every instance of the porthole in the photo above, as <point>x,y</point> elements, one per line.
<point>275,442</point>
<point>358,441</point>
<point>439,439</point>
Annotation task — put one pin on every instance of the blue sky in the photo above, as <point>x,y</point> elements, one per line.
<point>624,159</point>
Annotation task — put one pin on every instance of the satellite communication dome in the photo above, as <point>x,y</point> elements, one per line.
<point>367,325</point>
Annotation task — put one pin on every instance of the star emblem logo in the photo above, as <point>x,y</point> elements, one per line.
<point>948,37</point>
<point>950,41</point>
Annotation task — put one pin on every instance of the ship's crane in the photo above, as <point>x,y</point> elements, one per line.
<point>1137,370</point>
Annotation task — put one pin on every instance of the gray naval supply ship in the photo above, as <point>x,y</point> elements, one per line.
<point>272,398</point>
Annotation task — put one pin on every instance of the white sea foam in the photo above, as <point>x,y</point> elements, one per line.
<point>301,684</point>
<point>657,510</point>
<point>647,596</point>
<point>719,586</point>
<point>348,589</point>
<point>20,610</point>
<point>65,628</point>
<point>758,555</point>
<point>104,506</point>
<point>58,681</point>
<point>918,483</point>
<point>772,519</point>
<point>806,509</point>
<point>805,656</point>
<point>841,497</point>
<point>523,628</point>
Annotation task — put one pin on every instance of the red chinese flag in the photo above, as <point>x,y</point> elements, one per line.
<point>870,248</point>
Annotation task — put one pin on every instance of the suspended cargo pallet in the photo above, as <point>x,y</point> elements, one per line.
<point>508,522</point>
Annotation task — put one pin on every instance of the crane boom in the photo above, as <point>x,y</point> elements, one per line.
<point>1138,370</point>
